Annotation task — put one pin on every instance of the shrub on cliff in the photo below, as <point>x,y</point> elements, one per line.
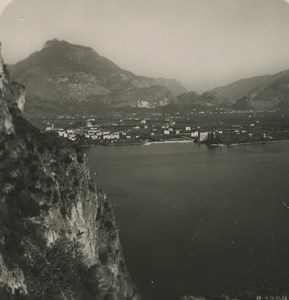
<point>60,271</point>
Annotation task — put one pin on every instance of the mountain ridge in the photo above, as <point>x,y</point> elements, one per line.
<point>262,92</point>
<point>265,92</point>
<point>62,73</point>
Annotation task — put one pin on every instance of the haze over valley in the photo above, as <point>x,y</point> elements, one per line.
<point>67,78</point>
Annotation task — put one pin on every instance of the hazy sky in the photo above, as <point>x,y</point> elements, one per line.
<point>203,43</point>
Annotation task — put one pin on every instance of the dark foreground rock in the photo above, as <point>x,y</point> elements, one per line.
<point>58,237</point>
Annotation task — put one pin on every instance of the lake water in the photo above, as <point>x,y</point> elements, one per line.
<point>200,221</point>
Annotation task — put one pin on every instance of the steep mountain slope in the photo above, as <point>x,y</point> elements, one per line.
<point>58,237</point>
<point>63,76</point>
<point>257,93</point>
<point>262,92</point>
<point>189,98</point>
<point>173,85</point>
<point>194,100</point>
<point>273,95</point>
<point>239,89</point>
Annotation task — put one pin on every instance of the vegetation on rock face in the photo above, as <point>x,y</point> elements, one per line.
<point>58,238</point>
<point>58,270</point>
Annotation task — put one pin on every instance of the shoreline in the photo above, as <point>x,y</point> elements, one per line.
<point>248,143</point>
<point>168,142</point>
<point>137,143</point>
<point>112,145</point>
<point>183,142</point>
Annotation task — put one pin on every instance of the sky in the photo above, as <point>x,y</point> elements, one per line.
<point>202,43</point>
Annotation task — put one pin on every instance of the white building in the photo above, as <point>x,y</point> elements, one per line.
<point>111,136</point>
<point>194,134</point>
<point>107,137</point>
<point>116,135</point>
<point>203,136</point>
<point>61,133</point>
<point>72,137</point>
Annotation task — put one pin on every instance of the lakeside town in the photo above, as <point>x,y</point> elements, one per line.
<point>225,128</point>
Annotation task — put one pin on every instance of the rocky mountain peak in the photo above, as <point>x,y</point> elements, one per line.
<point>63,45</point>
<point>64,76</point>
<point>53,42</point>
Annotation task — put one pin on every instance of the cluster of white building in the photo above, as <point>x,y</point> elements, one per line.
<point>94,132</point>
<point>69,133</point>
<point>202,136</point>
<point>91,132</point>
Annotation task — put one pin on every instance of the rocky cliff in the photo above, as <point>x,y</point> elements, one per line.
<point>58,237</point>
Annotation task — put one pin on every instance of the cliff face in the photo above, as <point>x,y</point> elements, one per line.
<point>58,237</point>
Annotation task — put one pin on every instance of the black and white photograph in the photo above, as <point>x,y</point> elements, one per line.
<point>144,149</point>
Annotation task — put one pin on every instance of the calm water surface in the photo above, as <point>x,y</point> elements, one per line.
<point>200,221</point>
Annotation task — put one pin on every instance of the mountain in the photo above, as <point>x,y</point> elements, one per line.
<point>228,94</point>
<point>189,98</point>
<point>58,236</point>
<point>262,92</point>
<point>242,104</point>
<point>274,94</point>
<point>65,77</point>
<point>257,93</point>
<point>238,89</point>
<point>173,85</point>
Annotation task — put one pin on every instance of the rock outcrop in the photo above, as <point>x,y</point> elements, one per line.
<point>58,236</point>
